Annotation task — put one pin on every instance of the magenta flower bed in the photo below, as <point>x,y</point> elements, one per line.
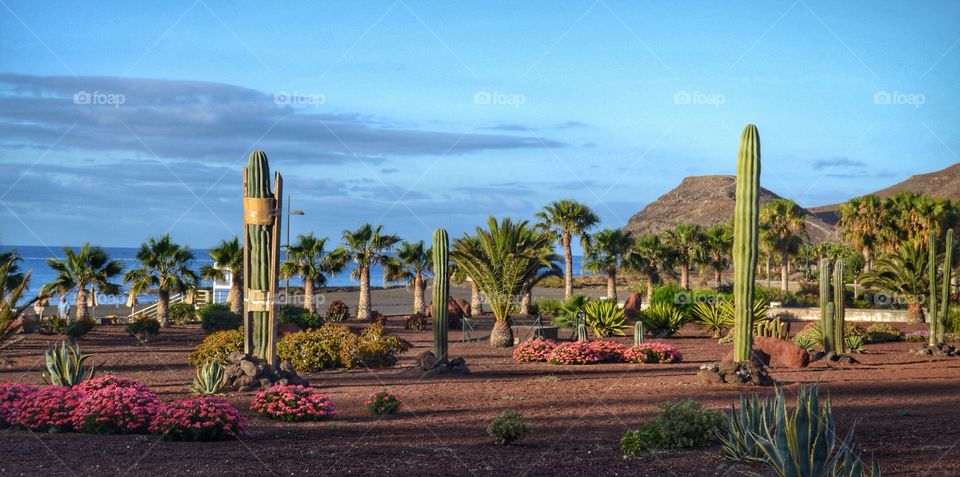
<point>534,351</point>
<point>576,352</point>
<point>116,409</point>
<point>293,403</point>
<point>10,396</point>
<point>96,384</point>
<point>609,351</point>
<point>207,418</point>
<point>48,408</point>
<point>651,353</point>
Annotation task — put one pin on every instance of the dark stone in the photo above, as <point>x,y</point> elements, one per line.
<point>458,362</point>
<point>288,368</point>
<point>782,353</point>
<point>282,382</point>
<point>631,307</point>
<point>265,383</point>
<point>426,360</point>
<point>249,368</point>
<point>847,359</point>
<point>235,357</point>
<point>246,383</point>
<point>831,356</point>
<point>464,307</point>
<point>817,356</point>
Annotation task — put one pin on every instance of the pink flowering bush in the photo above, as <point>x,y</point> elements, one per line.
<point>533,351</point>
<point>48,408</point>
<point>653,353</point>
<point>205,418</point>
<point>95,384</point>
<point>116,409</point>
<point>575,352</point>
<point>609,351</point>
<point>292,403</point>
<point>382,403</point>
<point>11,394</point>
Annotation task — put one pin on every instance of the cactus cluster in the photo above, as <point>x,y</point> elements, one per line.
<point>774,328</point>
<point>441,292</point>
<point>260,258</point>
<point>64,365</point>
<point>745,236</point>
<point>832,306</point>
<point>938,323</point>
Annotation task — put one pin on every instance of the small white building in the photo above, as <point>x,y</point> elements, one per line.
<point>222,288</point>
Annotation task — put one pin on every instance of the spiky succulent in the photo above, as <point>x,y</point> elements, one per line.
<point>65,365</point>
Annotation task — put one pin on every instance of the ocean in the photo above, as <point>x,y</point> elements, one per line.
<point>35,258</point>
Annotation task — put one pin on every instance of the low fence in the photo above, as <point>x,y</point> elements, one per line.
<point>852,314</point>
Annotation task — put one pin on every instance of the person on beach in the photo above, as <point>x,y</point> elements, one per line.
<point>38,309</point>
<point>63,307</point>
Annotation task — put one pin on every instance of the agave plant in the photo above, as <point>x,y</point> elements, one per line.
<point>856,343</point>
<point>210,379</point>
<point>662,319</point>
<point>65,365</point>
<point>604,318</point>
<point>712,317</point>
<point>743,426</point>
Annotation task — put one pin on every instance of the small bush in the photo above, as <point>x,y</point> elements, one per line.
<point>604,318</point>
<point>415,322</point>
<point>371,349</point>
<point>217,347</point>
<point>48,409</point>
<point>91,386</point>
<point>144,327</point>
<point>883,333</point>
<point>536,350</point>
<point>651,353</point>
<point>206,418</point>
<point>609,351</point>
<point>338,311</point>
<point>681,425</point>
<point>181,313</point>
<point>549,306</point>
<point>79,328</point>
<point>333,346</point>
<point>116,409</point>
<point>508,427</point>
<point>10,396</point>
<point>298,315</point>
<point>218,318</point>
<point>575,352</point>
<point>382,403</point>
<point>292,403</point>
<point>662,319</point>
<point>565,316</point>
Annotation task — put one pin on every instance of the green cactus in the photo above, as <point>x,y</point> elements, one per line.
<point>774,328</point>
<point>745,227</point>
<point>582,332</point>
<point>932,309</point>
<point>210,379</point>
<point>260,249</point>
<point>945,291</point>
<point>64,365</point>
<point>826,322</point>
<point>638,333</point>
<point>441,292</point>
<point>839,305</point>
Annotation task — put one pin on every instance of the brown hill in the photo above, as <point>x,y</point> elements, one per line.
<point>706,201</point>
<point>944,184</point>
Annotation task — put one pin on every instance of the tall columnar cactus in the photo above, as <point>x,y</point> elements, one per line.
<point>945,291</point>
<point>932,309</point>
<point>826,319</point>
<point>638,332</point>
<point>261,217</point>
<point>441,292</point>
<point>745,228</point>
<point>839,304</point>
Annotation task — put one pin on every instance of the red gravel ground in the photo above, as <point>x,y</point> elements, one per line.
<point>905,409</point>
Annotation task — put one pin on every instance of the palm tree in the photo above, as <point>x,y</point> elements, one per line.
<point>783,227</point>
<point>568,218</point>
<point>502,259</point>
<point>412,264</point>
<point>13,284</point>
<point>228,255</point>
<point>459,275</point>
<point>686,241</point>
<point>807,254</point>
<point>90,267</point>
<point>904,274</point>
<point>165,266</point>
<point>865,225</point>
<point>715,253</point>
<point>366,247</point>
<point>14,277</point>
<point>605,252</point>
<point>651,258</point>
<point>549,265</point>
<point>308,260</point>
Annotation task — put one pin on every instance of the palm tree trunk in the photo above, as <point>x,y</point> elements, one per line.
<point>363,305</point>
<point>81,304</point>
<point>784,272</point>
<point>163,299</point>
<point>568,269</point>
<point>418,287</point>
<point>308,295</point>
<point>768,271</point>
<point>525,302</point>
<point>685,276</point>
<point>612,286</point>
<point>476,306</point>
<point>914,313</point>
<point>650,286</point>
<point>718,277</point>
<point>235,297</point>
<point>866,260</point>
<point>501,336</point>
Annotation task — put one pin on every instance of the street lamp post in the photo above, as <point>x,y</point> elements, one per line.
<point>286,252</point>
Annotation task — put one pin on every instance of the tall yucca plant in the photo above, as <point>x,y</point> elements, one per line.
<point>745,238</point>
<point>501,259</point>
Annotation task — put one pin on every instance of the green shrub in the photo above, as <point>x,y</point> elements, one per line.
<point>681,425</point>
<point>217,317</point>
<point>604,318</point>
<point>216,347</point>
<point>338,311</point>
<point>79,328</point>
<point>567,313</point>
<point>144,327</point>
<point>508,427</point>
<point>181,313</point>
<point>335,346</point>
<point>551,281</point>
<point>787,298</point>
<point>953,319</point>
<point>883,333</point>
<point>549,306</point>
<point>671,294</point>
<point>371,349</point>
<point>297,315</point>
<point>662,319</point>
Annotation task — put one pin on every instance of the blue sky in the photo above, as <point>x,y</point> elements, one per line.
<point>122,121</point>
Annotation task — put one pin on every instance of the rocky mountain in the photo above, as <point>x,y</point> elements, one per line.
<point>944,184</point>
<point>706,201</point>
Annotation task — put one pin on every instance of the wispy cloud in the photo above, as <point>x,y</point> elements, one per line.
<point>838,162</point>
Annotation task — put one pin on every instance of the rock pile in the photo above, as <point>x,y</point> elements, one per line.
<point>248,373</point>
<point>749,372</point>
<point>429,364</point>
<point>939,351</point>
